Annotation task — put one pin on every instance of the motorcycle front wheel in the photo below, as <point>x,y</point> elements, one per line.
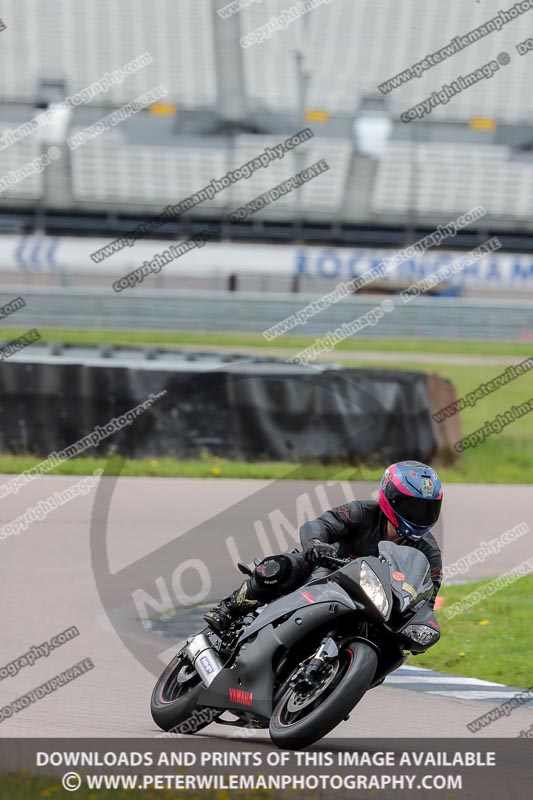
<point>299,720</point>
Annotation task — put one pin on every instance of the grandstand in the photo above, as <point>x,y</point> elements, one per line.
<point>451,176</point>
<point>225,103</point>
<point>348,51</point>
<point>14,158</point>
<point>69,45</point>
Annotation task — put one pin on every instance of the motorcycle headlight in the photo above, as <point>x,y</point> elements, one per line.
<point>421,634</point>
<point>373,588</point>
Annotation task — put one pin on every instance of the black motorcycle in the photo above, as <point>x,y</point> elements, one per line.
<point>300,664</point>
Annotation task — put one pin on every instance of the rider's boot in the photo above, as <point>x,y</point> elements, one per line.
<point>237,605</point>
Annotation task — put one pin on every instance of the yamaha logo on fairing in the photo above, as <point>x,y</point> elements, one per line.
<point>241,697</point>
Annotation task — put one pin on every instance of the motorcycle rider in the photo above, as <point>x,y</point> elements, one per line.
<point>410,499</point>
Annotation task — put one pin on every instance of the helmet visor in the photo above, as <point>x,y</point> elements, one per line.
<point>416,510</point>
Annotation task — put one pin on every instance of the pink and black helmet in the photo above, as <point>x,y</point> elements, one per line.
<point>410,496</point>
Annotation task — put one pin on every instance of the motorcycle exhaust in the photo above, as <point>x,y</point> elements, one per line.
<point>204,657</point>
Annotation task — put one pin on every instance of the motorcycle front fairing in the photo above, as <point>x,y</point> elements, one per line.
<point>303,597</point>
<point>414,622</point>
<point>409,574</point>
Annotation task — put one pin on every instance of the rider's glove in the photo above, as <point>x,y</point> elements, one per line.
<point>317,551</point>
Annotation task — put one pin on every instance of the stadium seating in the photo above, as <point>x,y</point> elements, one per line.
<point>107,170</point>
<point>78,42</point>
<point>12,160</point>
<point>349,48</point>
<point>353,47</point>
<point>270,70</point>
<point>326,193</point>
<point>438,177</point>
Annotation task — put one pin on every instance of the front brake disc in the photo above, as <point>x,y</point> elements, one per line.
<point>297,701</point>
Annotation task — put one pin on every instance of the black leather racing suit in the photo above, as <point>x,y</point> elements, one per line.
<point>358,527</point>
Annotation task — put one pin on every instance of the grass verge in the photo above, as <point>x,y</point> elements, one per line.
<point>491,640</point>
<point>517,469</point>
<point>23,786</point>
<point>233,339</point>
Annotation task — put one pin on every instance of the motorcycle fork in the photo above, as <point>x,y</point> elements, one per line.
<point>306,677</point>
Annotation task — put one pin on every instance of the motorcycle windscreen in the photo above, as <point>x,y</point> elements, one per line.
<point>410,573</point>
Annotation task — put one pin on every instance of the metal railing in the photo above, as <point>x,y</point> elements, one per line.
<point>254,312</point>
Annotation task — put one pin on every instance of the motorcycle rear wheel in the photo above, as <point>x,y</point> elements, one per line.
<point>174,698</point>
